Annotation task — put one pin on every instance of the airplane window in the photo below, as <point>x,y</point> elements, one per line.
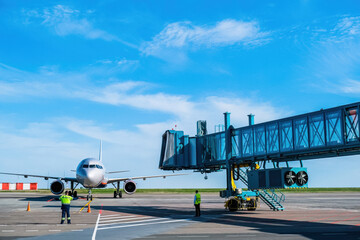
<point>99,167</point>
<point>85,166</point>
<point>92,166</point>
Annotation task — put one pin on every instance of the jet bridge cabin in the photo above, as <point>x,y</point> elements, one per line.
<point>325,133</point>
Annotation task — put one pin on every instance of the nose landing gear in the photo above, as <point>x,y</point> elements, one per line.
<point>89,196</point>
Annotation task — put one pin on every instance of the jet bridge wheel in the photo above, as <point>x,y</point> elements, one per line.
<point>252,205</point>
<point>302,178</point>
<point>233,205</point>
<point>290,178</point>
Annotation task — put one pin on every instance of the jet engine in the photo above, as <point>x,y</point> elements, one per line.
<point>57,187</point>
<point>129,187</point>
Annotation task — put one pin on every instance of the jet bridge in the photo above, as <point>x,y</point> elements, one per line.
<point>326,133</point>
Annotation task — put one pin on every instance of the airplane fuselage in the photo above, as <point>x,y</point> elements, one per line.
<point>91,173</point>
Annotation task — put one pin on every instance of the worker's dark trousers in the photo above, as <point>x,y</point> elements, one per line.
<point>197,210</point>
<point>65,209</point>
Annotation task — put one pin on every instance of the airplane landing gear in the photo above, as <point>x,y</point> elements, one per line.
<point>73,192</point>
<point>117,192</point>
<point>89,196</point>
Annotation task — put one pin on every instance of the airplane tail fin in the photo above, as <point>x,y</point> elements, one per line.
<point>100,151</point>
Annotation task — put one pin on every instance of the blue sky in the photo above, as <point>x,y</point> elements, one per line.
<point>75,72</point>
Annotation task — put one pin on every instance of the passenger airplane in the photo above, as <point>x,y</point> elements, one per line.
<point>91,174</point>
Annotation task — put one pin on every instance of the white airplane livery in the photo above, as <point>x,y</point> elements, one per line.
<point>91,174</point>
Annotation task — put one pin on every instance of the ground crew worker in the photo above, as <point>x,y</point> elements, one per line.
<point>65,207</point>
<point>197,201</point>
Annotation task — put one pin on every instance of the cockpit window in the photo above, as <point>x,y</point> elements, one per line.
<point>92,166</point>
<point>85,166</point>
<point>99,167</point>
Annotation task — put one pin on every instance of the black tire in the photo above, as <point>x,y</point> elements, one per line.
<point>252,205</point>
<point>87,198</point>
<point>233,205</point>
<point>91,198</point>
<point>115,194</point>
<point>75,194</point>
<point>120,194</point>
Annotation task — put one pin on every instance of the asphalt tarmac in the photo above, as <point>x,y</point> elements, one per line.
<point>171,216</point>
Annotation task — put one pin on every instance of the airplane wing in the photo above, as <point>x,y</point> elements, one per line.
<point>117,172</point>
<point>41,176</point>
<point>112,180</point>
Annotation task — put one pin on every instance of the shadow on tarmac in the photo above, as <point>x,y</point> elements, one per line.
<point>310,230</point>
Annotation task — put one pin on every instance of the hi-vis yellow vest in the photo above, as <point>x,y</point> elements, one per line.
<point>198,198</point>
<point>66,199</point>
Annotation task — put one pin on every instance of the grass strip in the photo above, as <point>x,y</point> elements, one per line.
<point>201,190</point>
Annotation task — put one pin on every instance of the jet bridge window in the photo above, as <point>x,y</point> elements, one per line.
<point>99,167</point>
<point>92,166</point>
<point>85,166</point>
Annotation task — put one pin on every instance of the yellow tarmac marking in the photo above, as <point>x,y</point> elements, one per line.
<point>85,206</point>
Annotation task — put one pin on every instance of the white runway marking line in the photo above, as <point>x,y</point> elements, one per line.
<point>112,215</point>
<point>119,217</point>
<point>7,230</point>
<point>122,220</point>
<point>131,222</point>
<point>32,230</point>
<point>77,230</point>
<point>54,230</point>
<point>141,224</point>
<point>96,228</point>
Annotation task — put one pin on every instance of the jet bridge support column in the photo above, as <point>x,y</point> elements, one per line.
<point>228,154</point>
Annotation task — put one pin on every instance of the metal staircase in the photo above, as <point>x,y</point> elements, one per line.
<point>270,197</point>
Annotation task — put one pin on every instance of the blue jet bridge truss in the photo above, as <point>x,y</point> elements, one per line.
<point>326,133</point>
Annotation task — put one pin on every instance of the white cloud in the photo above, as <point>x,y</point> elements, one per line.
<point>333,56</point>
<point>350,86</point>
<point>17,84</point>
<point>115,95</point>
<point>347,26</point>
<point>122,64</point>
<point>224,33</point>
<point>64,21</point>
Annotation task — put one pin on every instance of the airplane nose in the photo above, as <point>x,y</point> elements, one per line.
<point>92,178</point>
